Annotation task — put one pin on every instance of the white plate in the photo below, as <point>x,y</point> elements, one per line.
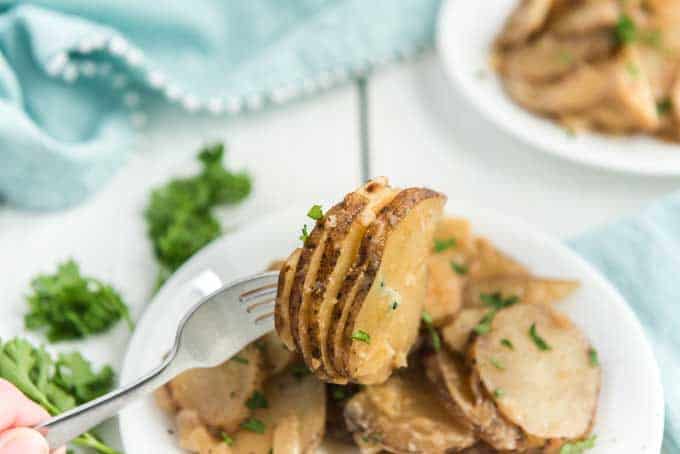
<point>630,415</point>
<point>466,31</point>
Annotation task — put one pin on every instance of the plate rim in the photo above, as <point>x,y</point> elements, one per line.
<point>462,209</point>
<point>497,118</point>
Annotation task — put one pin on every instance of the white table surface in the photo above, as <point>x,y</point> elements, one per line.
<point>422,133</point>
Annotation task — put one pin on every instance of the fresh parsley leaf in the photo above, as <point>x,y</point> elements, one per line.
<point>240,360</point>
<point>578,447</point>
<point>57,385</point>
<point>498,393</point>
<point>70,306</point>
<point>305,233</point>
<point>496,300</point>
<point>300,370</point>
<point>362,336</point>
<point>427,318</point>
<point>257,400</point>
<point>664,106</point>
<point>338,393</point>
<point>435,339</point>
<point>538,340</point>
<point>507,343</point>
<point>442,245</point>
<point>626,31</point>
<point>254,425</point>
<point>459,268</point>
<point>484,325</point>
<point>315,212</point>
<point>228,440</point>
<point>593,357</point>
<point>180,215</point>
<point>496,363</point>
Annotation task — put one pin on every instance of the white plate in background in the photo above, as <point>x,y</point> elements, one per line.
<point>466,30</point>
<point>630,415</point>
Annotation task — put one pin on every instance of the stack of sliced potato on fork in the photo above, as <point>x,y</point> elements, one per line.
<point>350,299</point>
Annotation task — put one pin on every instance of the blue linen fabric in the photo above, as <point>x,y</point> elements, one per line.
<point>75,75</point>
<point>641,257</point>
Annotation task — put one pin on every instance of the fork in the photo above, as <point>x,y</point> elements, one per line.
<point>211,332</point>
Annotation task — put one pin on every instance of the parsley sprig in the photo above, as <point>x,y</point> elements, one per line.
<point>180,214</point>
<point>538,340</point>
<point>496,302</point>
<point>434,335</point>
<point>56,385</point>
<point>70,306</point>
<point>578,447</point>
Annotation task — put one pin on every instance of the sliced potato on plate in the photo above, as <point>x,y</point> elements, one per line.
<point>547,384</point>
<point>282,307</point>
<point>528,289</point>
<point>456,334</point>
<point>219,394</point>
<point>403,415</point>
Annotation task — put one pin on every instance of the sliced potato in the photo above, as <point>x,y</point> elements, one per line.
<point>384,315</point>
<point>282,307</point>
<point>218,395</point>
<point>276,356</point>
<point>294,418</point>
<point>195,437</point>
<point>403,415</point>
<point>444,295</point>
<point>347,226</point>
<point>528,289</point>
<point>525,20</point>
<point>546,383</point>
<point>449,374</point>
<point>490,261</point>
<point>456,334</point>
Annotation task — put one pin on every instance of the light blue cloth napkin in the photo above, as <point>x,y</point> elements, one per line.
<point>641,257</point>
<point>76,75</point>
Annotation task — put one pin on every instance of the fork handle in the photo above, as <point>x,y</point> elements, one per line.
<point>63,428</point>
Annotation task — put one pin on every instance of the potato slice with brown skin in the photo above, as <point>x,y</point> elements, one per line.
<point>403,415</point>
<point>456,334</point>
<point>550,391</point>
<point>349,224</point>
<point>195,437</point>
<point>218,395</point>
<point>527,289</point>
<point>282,308</point>
<point>385,312</point>
<point>449,375</point>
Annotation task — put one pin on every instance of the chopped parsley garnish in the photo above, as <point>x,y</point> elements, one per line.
<point>664,106</point>
<point>257,400</point>
<point>57,385</point>
<point>443,245</point>
<point>71,306</point>
<point>300,371</point>
<point>538,340</point>
<point>315,212</point>
<point>254,425</point>
<point>626,30</point>
<point>593,357</point>
<point>338,393</point>
<point>484,325</point>
<point>434,335</point>
<point>498,393</point>
<point>507,343</point>
<point>459,268</point>
<point>632,69</point>
<point>362,336</point>
<point>496,301</point>
<point>228,440</point>
<point>395,305</point>
<point>240,360</point>
<point>578,447</point>
<point>496,363</point>
<point>305,234</point>
<point>180,216</point>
